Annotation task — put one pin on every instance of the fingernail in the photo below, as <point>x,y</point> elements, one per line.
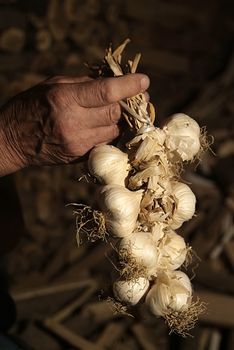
<point>144,83</point>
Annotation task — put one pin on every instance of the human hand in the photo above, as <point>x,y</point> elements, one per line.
<point>61,119</point>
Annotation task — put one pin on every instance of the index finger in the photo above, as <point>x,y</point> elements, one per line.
<point>104,91</point>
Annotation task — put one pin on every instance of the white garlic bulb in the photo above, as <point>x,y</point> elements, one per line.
<point>183,136</point>
<point>185,202</point>
<point>141,247</point>
<point>109,165</point>
<point>172,292</point>
<point>172,251</point>
<point>121,208</point>
<point>130,292</point>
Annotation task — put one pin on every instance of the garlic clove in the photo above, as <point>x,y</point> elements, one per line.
<point>182,137</point>
<point>109,165</point>
<point>121,208</point>
<point>130,292</point>
<point>172,292</point>
<point>172,251</point>
<point>141,247</point>
<point>185,202</point>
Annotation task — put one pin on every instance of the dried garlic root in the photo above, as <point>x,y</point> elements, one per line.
<point>142,202</point>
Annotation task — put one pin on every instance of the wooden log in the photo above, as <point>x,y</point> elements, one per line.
<point>21,295</point>
<point>220,309</point>
<point>215,340</point>
<point>99,312</point>
<point>171,14</point>
<point>68,309</point>
<point>70,337</point>
<point>34,335</point>
<point>204,337</point>
<point>43,40</point>
<point>12,40</point>
<point>220,281</point>
<point>215,93</point>
<point>57,21</point>
<point>97,255</point>
<point>143,337</point>
<point>111,334</point>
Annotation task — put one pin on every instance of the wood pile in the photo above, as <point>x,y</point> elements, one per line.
<point>187,50</point>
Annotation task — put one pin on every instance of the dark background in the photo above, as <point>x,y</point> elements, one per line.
<point>188,52</point>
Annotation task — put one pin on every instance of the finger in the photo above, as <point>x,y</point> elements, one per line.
<point>63,79</point>
<point>104,134</point>
<point>104,91</point>
<point>107,115</point>
<point>95,136</point>
<point>104,116</point>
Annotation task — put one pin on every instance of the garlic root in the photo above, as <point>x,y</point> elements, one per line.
<point>89,222</point>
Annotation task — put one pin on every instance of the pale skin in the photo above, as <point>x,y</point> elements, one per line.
<point>62,119</point>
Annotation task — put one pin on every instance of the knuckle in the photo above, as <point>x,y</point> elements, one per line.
<point>106,91</point>
<point>54,95</point>
<point>114,132</point>
<point>114,113</point>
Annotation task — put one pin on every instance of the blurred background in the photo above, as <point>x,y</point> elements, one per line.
<point>187,50</point>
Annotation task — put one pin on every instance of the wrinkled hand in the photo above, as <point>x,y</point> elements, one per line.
<point>62,118</point>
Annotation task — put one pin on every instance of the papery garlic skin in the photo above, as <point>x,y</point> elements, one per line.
<point>172,292</point>
<point>172,251</point>
<point>185,202</point>
<point>130,292</point>
<point>149,146</point>
<point>141,247</point>
<point>183,136</point>
<point>120,207</point>
<point>155,134</point>
<point>109,165</point>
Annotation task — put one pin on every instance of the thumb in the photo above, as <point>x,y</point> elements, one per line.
<point>104,91</point>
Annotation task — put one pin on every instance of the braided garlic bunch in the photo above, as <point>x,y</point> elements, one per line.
<point>142,202</point>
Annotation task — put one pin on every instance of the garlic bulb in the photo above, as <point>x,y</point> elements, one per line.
<point>172,292</point>
<point>141,247</point>
<point>108,164</point>
<point>131,291</point>
<point>183,136</point>
<point>121,208</point>
<point>185,202</point>
<point>172,251</point>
